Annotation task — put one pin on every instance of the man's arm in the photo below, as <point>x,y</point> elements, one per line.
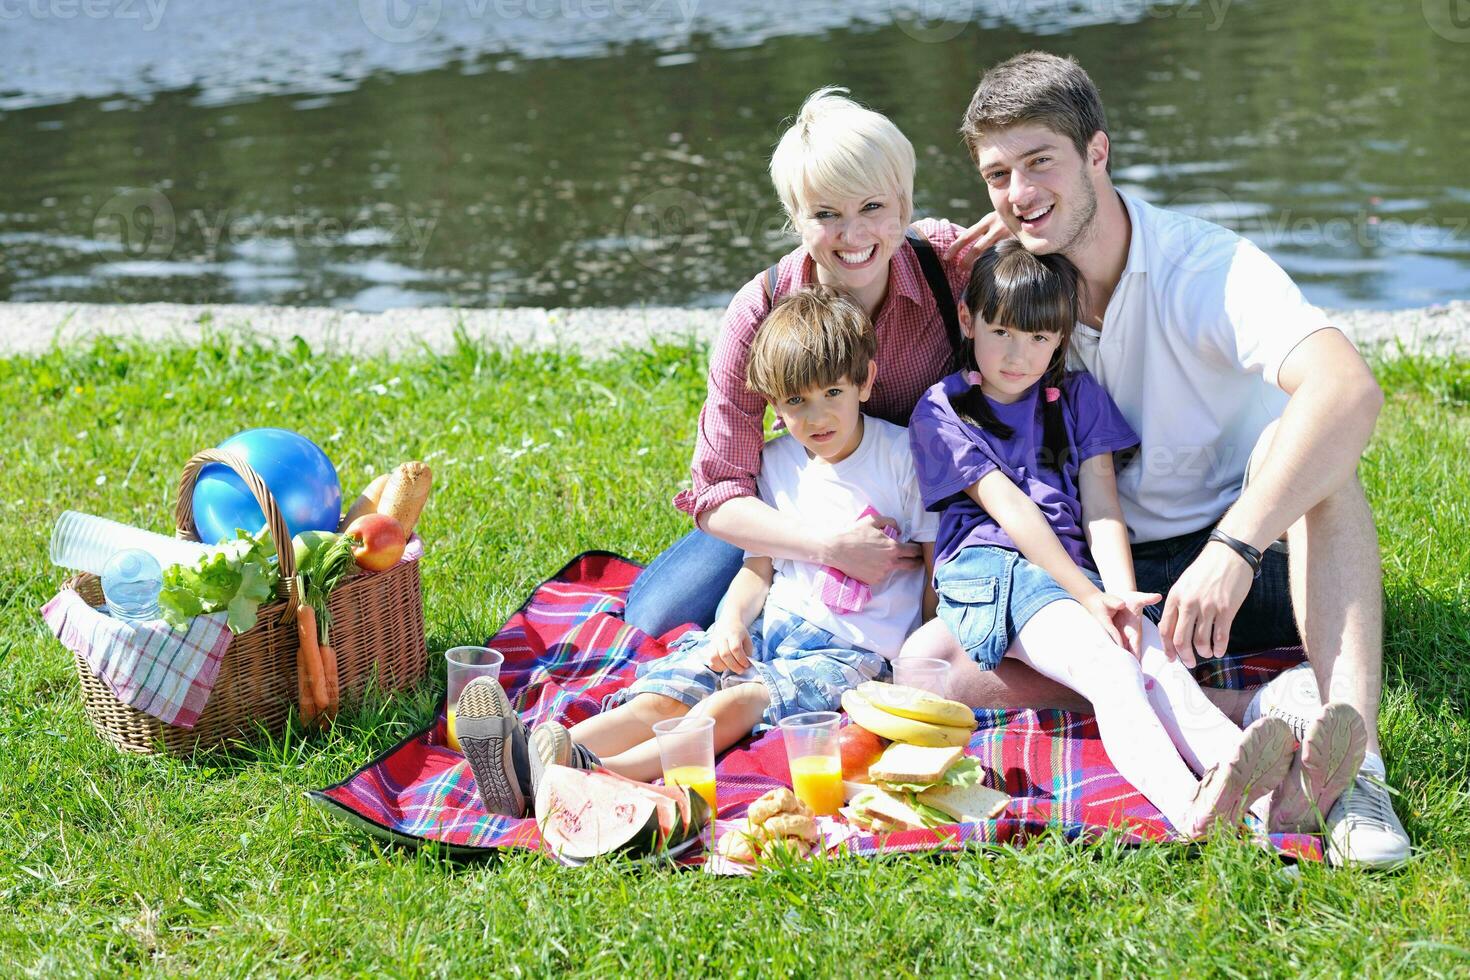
<point>862,551</point>
<point>1328,421</point>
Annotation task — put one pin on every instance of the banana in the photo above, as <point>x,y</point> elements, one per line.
<point>910,702</point>
<point>898,729</point>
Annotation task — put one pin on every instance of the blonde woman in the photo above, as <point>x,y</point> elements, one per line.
<point>845,177</point>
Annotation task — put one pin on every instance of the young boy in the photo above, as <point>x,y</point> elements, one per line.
<point>776,647</point>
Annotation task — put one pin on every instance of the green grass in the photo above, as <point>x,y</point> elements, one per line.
<point>115,864</point>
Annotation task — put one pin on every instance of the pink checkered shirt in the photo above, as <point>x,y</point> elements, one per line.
<point>913,352</point>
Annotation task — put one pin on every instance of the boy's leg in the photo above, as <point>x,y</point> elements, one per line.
<point>627,725</point>
<point>1011,684</point>
<point>683,584</point>
<point>736,711</point>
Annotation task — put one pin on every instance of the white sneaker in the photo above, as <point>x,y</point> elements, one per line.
<point>1292,696</point>
<point>1362,828</point>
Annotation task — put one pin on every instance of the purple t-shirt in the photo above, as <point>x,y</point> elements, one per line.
<point>951,455</point>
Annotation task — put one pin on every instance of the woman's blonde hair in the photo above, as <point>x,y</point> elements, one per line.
<point>812,338</point>
<point>839,148</point>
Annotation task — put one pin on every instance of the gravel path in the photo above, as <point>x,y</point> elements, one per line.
<point>32,327</point>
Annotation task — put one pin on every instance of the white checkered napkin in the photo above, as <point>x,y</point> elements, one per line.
<point>165,672</point>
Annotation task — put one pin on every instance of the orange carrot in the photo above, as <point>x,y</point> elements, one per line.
<point>303,681</point>
<point>311,651</point>
<point>334,688</point>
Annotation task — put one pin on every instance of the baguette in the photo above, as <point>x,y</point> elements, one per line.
<point>405,494</point>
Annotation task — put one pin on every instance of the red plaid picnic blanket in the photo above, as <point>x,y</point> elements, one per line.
<point>565,649</point>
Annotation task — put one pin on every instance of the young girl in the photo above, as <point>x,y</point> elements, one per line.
<point>1018,454</point>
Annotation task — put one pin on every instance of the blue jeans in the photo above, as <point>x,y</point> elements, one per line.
<point>683,585</point>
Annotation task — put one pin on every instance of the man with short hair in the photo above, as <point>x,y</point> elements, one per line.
<point>1243,502</point>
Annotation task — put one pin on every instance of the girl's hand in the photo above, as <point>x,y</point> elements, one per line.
<point>1129,620</point>
<point>977,238</point>
<point>870,556</point>
<point>1120,615</point>
<point>730,648</point>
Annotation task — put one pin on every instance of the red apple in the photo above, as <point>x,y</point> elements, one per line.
<point>380,541</point>
<point>860,749</point>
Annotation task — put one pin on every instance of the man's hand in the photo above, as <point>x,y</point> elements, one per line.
<point>1203,603</point>
<point>977,238</point>
<point>729,647</point>
<point>870,556</point>
<point>1120,615</point>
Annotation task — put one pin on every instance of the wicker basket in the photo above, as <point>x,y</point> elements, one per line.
<point>377,633</point>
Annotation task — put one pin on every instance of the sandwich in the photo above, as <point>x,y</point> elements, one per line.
<point>917,787</point>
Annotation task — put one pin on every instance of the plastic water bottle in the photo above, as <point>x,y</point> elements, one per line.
<point>131,582</point>
<point>86,543</point>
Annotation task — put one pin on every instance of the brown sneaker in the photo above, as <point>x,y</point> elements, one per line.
<point>1331,753</point>
<point>1259,764</point>
<point>552,745</point>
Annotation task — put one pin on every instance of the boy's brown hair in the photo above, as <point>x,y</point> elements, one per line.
<point>1035,87</point>
<point>812,338</point>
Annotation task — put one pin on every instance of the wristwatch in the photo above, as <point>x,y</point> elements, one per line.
<point>1251,556</point>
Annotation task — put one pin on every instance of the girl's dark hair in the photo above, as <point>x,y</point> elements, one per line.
<point>1018,290</point>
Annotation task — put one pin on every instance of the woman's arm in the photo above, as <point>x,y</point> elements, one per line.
<point>1102,522</point>
<point>1020,517</point>
<point>862,551</point>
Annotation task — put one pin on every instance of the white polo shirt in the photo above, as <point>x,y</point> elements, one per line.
<point>1191,344</point>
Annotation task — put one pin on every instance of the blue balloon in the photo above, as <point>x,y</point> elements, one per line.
<point>300,476</point>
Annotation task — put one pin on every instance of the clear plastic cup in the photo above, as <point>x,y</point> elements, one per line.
<point>813,750</point>
<point>686,747</point>
<point>85,542</point>
<point>465,664</point>
<point>924,673</point>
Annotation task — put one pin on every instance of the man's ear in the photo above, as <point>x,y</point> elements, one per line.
<point>967,322</point>
<point>1098,151</point>
<point>867,388</point>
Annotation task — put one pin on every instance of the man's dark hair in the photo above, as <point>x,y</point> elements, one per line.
<point>1035,87</point>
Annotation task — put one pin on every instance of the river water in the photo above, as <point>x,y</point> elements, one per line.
<point>371,154</point>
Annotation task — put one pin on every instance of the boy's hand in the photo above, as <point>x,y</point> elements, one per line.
<point>729,647</point>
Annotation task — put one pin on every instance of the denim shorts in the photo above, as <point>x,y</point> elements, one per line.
<point>986,594</point>
<point>804,667</point>
<point>1264,621</point>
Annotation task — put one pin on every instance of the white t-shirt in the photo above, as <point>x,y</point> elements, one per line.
<point>1191,344</point>
<point>829,498</point>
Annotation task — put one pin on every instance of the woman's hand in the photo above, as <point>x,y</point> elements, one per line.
<point>730,648</point>
<point>1120,615</point>
<point>868,555</point>
<point>977,238</point>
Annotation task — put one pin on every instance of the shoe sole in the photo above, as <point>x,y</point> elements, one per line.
<point>1259,764</point>
<point>551,745</point>
<point>1331,755</point>
<point>479,724</point>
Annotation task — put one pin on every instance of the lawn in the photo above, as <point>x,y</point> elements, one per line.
<point>121,865</point>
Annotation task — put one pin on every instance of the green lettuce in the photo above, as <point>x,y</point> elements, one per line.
<point>236,577</point>
<point>966,772</point>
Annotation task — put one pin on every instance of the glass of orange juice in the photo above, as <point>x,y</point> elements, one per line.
<point>465,664</point>
<point>686,746</point>
<point>812,748</point>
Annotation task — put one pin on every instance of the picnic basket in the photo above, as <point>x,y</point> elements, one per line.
<point>377,633</point>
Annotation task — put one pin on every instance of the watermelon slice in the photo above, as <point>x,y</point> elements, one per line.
<point>583,814</point>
